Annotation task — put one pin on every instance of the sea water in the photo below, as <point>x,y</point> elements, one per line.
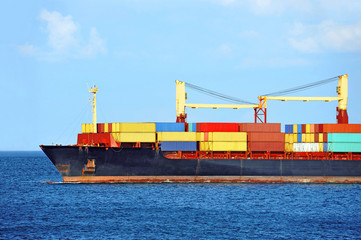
<point>31,208</point>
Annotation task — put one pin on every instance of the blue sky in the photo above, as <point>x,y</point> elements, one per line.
<point>134,50</point>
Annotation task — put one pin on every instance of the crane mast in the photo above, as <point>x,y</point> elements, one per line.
<point>94,90</point>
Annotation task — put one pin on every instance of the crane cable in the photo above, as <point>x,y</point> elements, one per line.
<point>218,95</point>
<point>303,87</point>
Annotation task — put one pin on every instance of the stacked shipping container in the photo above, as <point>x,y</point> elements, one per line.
<point>221,137</point>
<point>225,137</point>
<point>172,137</point>
<point>323,138</point>
<point>264,137</point>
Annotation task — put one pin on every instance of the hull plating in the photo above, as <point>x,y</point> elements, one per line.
<point>95,164</point>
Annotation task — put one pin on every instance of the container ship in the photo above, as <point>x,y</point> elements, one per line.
<point>210,152</point>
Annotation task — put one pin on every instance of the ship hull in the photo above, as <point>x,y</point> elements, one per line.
<point>100,164</point>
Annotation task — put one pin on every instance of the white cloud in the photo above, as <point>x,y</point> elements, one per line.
<point>64,40</point>
<point>327,35</point>
<point>61,30</point>
<point>96,44</point>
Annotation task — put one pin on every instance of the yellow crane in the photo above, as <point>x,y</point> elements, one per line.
<point>341,90</point>
<point>181,97</point>
<point>94,90</point>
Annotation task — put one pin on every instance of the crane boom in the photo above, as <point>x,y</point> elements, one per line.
<point>341,90</point>
<point>181,104</point>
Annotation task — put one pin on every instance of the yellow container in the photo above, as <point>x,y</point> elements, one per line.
<point>83,128</point>
<point>134,127</point>
<point>320,138</point>
<point>106,127</point>
<point>294,128</point>
<point>134,137</point>
<point>200,136</point>
<point>291,138</point>
<point>303,137</point>
<point>230,146</point>
<point>312,137</point>
<point>227,136</point>
<point>87,128</point>
<point>205,146</point>
<point>294,137</point>
<point>286,146</point>
<point>287,137</point>
<point>320,147</point>
<point>308,128</point>
<point>289,147</point>
<point>308,137</point>
<point>177,136</point>
<point>223,146</point>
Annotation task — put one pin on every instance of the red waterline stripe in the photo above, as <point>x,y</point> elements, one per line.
<point>210,179</point>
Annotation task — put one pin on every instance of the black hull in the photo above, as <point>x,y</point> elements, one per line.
<point>130,164</point>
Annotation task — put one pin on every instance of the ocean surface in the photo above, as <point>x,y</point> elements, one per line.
<point>31,208</point>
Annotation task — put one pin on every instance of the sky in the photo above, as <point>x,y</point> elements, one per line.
<point>133,51</point>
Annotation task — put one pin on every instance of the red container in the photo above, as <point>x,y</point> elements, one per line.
<point>317,128</point>
<point>260,127</point>
<point>103,139</point>
<point>317,138</point>
<point>342,128</point>
<point>303,128</point>
<point>325,137</point>
<point>320,128</point>
<point>100,127</point>
<point>110,129</point>
<point>265,137</point>
<point>266,146</point>
<point>218,127</point>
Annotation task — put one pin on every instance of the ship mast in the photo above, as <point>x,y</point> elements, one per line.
<point>94,90</point>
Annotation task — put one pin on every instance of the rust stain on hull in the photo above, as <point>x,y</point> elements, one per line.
<point>62,168</point>
<point>209,179</point>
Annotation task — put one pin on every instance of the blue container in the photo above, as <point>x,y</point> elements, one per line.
<point>178,146</point>
<point>287,128</point>
<point>299,128</point>
<point>290,127</point>
<point>169,127</point>
<point>192,127</point>
<point>299,137</point>
<point>325,147</point>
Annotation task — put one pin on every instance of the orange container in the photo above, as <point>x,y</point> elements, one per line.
<point>265,137</point>
<point>342,128</point>
<point>260,127</point>
<point>266,146</point>
<point>316,128</point>
<point>312,128</point>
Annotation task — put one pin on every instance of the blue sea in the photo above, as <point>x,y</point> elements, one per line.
<point>31,208</point>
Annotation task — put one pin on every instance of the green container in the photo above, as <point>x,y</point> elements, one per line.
<point>344,137</point>
<point>344,147</point>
